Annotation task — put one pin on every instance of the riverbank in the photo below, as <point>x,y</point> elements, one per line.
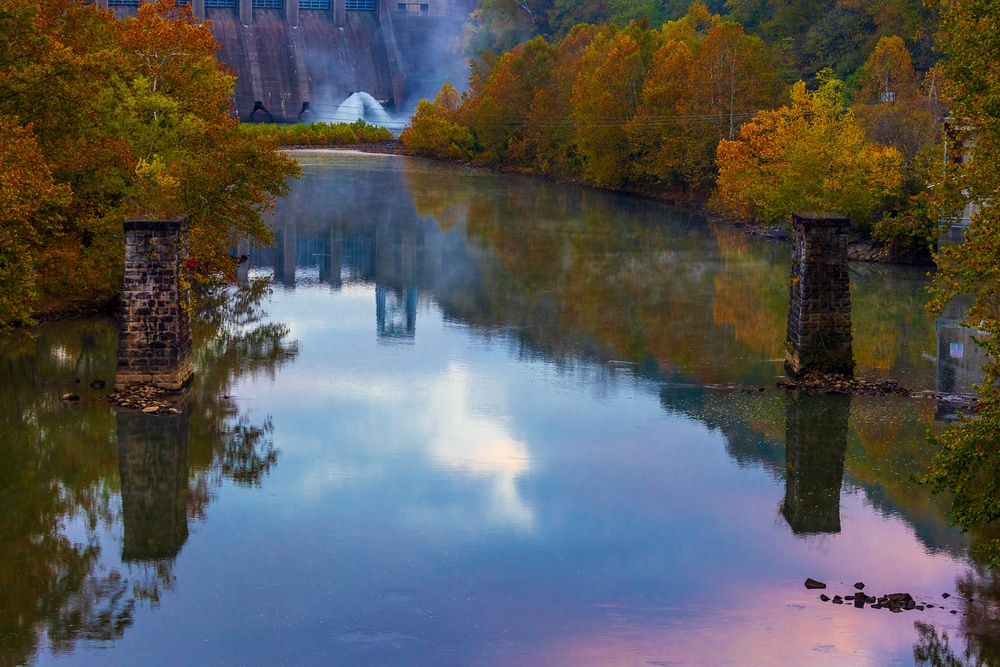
<point>377,148</point>
<point>860,250</point>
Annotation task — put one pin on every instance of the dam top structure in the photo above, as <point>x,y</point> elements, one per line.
<point>298,60</point>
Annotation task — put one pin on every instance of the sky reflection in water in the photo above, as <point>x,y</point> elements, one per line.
<point>520,425</point>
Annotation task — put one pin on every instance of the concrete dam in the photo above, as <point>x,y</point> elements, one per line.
<point>300,59</point>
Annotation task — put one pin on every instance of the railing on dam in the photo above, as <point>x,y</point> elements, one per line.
<point>350,5</point>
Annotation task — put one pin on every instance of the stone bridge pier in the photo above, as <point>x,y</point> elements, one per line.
<point>819,305</point>
<point>154,344</point>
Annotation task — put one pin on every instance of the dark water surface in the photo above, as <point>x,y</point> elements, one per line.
<point>484,420</point>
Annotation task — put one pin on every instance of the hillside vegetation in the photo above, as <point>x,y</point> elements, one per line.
<point>697,110</point>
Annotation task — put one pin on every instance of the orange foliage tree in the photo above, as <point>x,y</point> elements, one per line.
<point>635,108</point>
<point>135,120</point>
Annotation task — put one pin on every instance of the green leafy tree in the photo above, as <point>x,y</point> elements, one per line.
<point>500,25</point>
<point>968,462</point>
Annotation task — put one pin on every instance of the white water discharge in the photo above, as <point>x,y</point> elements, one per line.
<point>363,106</point>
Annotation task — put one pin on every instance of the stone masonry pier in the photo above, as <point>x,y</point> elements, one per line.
<point>819,308</point>
<point>154,345</point>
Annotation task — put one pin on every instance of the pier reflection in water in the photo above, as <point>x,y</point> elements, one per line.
<point>153,465</point>
<point>816,430</point>
<point>97,505</point>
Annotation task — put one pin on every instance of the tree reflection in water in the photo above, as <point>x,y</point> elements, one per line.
<point>76,475</point>
<point>979,591</point>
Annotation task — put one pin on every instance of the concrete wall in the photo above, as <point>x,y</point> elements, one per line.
<point>317,62</point>
<point>285,57</point>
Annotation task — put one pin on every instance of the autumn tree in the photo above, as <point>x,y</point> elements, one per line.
<point>190,157</point>
<point>968,462</point>
<point>811,155</point>
<point>548,133</point>
<point>503,106</point>
<point>30,199</point>
<point>706,81</point>
<point>890,103</point>
<point>66,50</point>
<point>607,97</point>
<point>670,127</point>
<point>432,131</point>
<point>896,110</point>
<point>135,120</point>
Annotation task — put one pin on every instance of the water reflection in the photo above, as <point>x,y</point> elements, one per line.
<point>664,299</point>
<point>960,359</point>
<point>153,466</point>
<point>815,447</point>
<point>77,477</point>
<point>580,459</point>
<point>396,312</point>
<point>979,633</point>
<point>704,301</point>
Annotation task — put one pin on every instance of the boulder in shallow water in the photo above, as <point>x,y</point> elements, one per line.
<point>899,598</point>
<point>812,584</point>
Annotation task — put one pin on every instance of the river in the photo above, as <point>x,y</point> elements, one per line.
<point>461,418</point>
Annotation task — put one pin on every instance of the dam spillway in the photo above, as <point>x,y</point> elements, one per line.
<point>291,55</point>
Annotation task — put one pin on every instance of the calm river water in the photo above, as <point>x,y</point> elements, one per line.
<point>485,420</point>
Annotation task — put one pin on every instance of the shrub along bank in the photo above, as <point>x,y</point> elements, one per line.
<point>319,134</point>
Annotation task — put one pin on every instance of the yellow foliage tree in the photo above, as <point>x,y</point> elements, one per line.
<point>505,102</point>
<point>606,98</point>
<point>811,155</point>
<point>432,131</point>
